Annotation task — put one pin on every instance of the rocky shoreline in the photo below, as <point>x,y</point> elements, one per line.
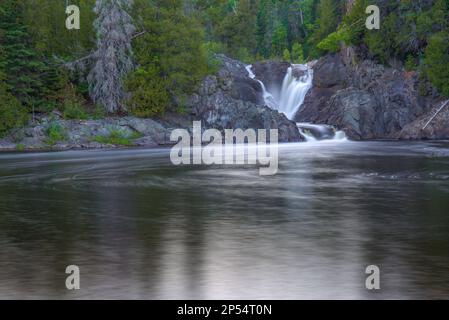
<point>365,100</point>
<point>370,101</point>
<point>228,100</point>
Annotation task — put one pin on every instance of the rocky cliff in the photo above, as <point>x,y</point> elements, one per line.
<point>370,101</point>
<point>232,100</point>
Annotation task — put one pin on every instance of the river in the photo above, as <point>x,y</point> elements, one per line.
<point>139,227</point>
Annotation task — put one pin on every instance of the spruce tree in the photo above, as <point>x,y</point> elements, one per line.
<point>169,56</point>
<point>24,70</point>
<point>113,55</point>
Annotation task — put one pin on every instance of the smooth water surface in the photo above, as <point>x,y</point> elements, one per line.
<point>139,227</point>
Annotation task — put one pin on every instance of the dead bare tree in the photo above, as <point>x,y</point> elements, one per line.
<point>112,59</point>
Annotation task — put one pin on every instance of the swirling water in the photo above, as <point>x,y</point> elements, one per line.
<point>139,227</point>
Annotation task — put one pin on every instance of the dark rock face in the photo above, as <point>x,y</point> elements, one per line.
<point>232,100</point>
<point>330,72</point>
<point>271,73</point>
<point>355,112</point>
<point>367,100</point>
<point>437,129</point>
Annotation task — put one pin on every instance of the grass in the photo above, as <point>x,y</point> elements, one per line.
<point>55,132</point>
<point>118,138</point>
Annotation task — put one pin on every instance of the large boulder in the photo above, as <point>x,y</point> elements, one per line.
<point>421,128</point>
<point>356,112</point>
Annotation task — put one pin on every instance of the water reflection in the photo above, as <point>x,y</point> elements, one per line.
<point>140,228</point>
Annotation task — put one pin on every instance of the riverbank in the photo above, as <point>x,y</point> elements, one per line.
<point>364,100</point>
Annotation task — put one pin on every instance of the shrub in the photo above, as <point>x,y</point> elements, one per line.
<point>410,63</point>
<point>98,112</point>
<point>12,113</point>
<point>74,111</point>
<point>149,95</point>
<point>55,132</point>
<point>118,137</point>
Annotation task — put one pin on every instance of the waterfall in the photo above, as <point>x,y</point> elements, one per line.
<point>294,90</point>
<point>270,101</point>
<point>297,82</point>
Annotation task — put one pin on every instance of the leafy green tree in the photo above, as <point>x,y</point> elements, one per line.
<point>436,61</point>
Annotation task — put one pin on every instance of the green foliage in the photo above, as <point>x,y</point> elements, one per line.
<point>26,71</point>
<point>286,56</point>
<point>279,41</point>
<point>46,21</point>
<point>55,133</point>
<point>237,27</point>
<point>74,111</point>
<point>211,49</point>
<point>436,61</point>
<point>410,63</point>
<point>170,55</point>
<point>334,41</point>
<point>149,92</point>
<point>297,53</point>
<point>117,137</point>
<point>12,113</point>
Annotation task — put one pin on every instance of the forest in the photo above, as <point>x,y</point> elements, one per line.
<point>144,57</point>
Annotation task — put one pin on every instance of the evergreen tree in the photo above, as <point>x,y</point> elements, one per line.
<point>170,57</point>
<point>436,61</point>
<point>113,55</point>
<point>237,29</point>
<point>297,53</point>
<point>24,70</point>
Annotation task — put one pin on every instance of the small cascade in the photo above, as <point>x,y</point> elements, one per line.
<point>316,132</point>
<point>268,97</point>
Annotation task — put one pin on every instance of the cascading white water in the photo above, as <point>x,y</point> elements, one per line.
<point>297,82</point>
<point>294,90</point>
<point>268,97</point>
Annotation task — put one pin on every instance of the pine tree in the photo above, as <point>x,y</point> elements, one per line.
<point>297,53</point>
<point>113,55</point>
<point>23,68</point>
<point>169,55</point>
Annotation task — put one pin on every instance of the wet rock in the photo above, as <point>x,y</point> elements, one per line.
<point>368,100</point>
<point>239,104</point>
